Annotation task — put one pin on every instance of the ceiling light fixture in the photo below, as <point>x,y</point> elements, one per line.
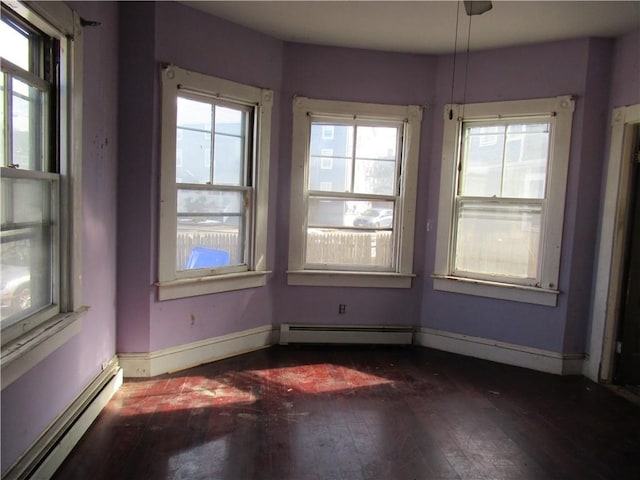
<point>477,8</point>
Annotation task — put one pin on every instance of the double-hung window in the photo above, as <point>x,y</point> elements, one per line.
<point>40,191</point>
<point>354,173</point>
<point>214,188</point>
<point>502,201</point>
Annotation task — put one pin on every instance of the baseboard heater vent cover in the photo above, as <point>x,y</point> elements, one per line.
<point>343,334</point>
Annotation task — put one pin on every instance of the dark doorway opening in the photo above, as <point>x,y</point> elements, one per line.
<point>627,368</point>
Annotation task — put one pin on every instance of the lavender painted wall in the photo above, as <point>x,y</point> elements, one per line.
<point>584,188</point>
<point>625,80</point>
<point>170,32</point>
<point>559,68</point>
<point>34,400</point>
<point>353,75</point>
<point>136,194</point>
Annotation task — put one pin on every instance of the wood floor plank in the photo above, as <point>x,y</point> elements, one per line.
<point>384,413</point>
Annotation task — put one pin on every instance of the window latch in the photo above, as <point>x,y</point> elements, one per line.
<point>14,165</point>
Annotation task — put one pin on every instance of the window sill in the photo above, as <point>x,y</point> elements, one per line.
<point>333,278</point>
<point>21,354</point>
<point>192,287</point>
<point>502,291</point>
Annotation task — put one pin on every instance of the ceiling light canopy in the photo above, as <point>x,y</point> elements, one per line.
<point>477,8</point>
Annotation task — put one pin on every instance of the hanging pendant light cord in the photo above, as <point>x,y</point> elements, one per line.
<point>466,66</point>
<point>455,52</point>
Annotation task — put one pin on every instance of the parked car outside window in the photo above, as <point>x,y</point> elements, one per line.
<point>16,290</point>
<point>375,218</point>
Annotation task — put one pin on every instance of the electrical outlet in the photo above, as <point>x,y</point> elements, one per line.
<point>342,308</point>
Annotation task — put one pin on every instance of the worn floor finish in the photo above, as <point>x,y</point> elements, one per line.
<point>360,413</point>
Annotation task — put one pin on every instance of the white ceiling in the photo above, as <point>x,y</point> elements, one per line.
<point>426,26</point>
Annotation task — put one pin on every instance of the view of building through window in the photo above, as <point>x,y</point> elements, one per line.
<point>352,193</point>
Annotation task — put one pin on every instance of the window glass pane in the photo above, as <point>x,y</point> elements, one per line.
<point>526,153</point>
<point>349,248</point>
<point>377,143</point>
<point>209,201</point>
<point>211,229</point>
<point>228,160</point>
<point>193,114</point>
<point>379,216</point>
<point>341,141</point>
<point>347,213</point>
<point>376,155</point>
<point>14,45</point>
<point>329,173</point>
<point>230,121</point>
<point>329,212</point>
<point>193,156</point>
<point>482,153</point>
<point>375,177</point>
<point>27,123</point>
<point>3,159</point>
<point>330,165</point>
<point>498,239</point>
<point>26,248</point>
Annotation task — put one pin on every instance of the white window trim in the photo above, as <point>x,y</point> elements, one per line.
<point>561,110</point>
<point>29,341</point>
<point>169,285</point>
<point>402,277</point>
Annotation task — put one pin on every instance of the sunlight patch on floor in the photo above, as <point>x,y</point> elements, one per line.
<point>188,393</point>
<point>319,378</point>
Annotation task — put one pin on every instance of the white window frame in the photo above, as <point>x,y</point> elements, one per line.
<point>171,283</point>
<point>30,340</point>
<point>559,111</point>
<point>401,277</point>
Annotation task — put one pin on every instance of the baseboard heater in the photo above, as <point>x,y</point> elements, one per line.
<point>343,334</point>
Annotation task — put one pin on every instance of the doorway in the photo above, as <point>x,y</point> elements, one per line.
<point>611,282</point>
<point>627,362</point>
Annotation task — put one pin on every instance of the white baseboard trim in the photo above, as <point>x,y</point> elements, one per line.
<point>196,353</point>
<point>47,453</point>
<point>501,352</point>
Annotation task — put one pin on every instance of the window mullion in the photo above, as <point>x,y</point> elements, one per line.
<point>8,119</point>
<point>351,196</point>
<point>212,156</point>
<point>504,154</point>
<point>399,160</point>
<point>212,187</point>
<point>463,146</point>
<point>353,158</point>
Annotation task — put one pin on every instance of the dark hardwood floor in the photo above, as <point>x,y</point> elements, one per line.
<point>360,413</point>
